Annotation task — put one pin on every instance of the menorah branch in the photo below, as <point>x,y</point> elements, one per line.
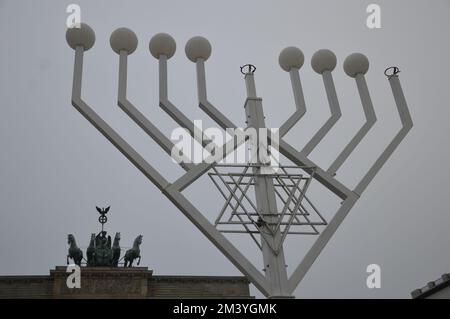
<point>162,47</point>
<point>193,174</point>
<point>335,114</point>
<point>157,179</point>
<point>369,113</point>
<point>299,99</point>
<point>320,175</point>
<point>407,124</point>
<point>326,235</point>
<point>219,240</point>
<point>140,119</point>
<point>320,243</point>
<point>174,112</point>
<point>204,104</point>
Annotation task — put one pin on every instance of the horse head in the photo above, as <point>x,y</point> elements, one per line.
<point>138,240</point>
<point>70,239</point>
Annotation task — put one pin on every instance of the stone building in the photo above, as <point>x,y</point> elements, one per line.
<point>438,289</point>
<point>134,282</point>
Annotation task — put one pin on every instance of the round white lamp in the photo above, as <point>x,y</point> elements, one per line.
<point>323,60</point>
<point>355,64</point>
<point>198,48</point>
<point>162,44</point>
<point>83,36</point>
<point>123,39</point>
<point>291,57</point>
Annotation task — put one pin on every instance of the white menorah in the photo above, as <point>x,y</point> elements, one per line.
<point>267,224</point>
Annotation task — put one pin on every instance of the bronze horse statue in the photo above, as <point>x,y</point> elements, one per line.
<point>75,253</point>
<point>133,253</point>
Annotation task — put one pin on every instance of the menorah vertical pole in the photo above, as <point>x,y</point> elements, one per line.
<point>272,250</point>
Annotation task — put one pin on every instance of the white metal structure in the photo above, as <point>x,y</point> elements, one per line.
<point>271,224</point>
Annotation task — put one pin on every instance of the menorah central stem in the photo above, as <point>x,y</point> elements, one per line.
<point>273,255</point>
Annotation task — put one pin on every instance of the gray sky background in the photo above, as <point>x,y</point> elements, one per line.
<point>55,167</point>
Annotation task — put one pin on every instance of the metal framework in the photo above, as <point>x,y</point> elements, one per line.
<point>240,213</point>
<point>258,214</point>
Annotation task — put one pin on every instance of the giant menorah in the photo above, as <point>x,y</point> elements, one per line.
<point>257,213</point>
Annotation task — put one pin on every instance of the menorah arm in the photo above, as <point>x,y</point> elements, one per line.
<point>140,119</point>
<point>299,103</point>
<point>174,112</point>
<point>107,131</point>
<point>198,170</point>
<point>371,118</point>
<point>335,114</point>
<point>348,203</point>
<point>320,175</point>
<point>192,175</point>
<point>218,239</point>
<point>204,104</point>
<point>407,124</point>
<point>320,243</point>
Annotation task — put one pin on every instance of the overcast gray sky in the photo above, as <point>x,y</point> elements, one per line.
<point>55,167</point>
